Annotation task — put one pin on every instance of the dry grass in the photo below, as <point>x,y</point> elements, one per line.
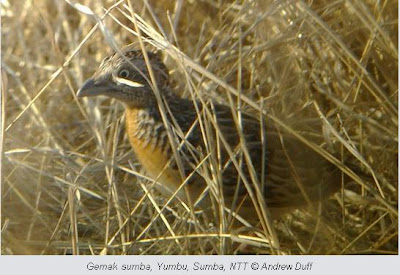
<point>70,183</point>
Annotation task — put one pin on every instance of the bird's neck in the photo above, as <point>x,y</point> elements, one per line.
<point>141,122</point>
<point>171,102</point>
<point>143,128</point>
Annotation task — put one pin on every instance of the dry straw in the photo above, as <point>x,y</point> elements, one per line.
<point>324,71</point>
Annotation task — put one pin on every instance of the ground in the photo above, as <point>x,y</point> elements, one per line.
<point>70,182</point>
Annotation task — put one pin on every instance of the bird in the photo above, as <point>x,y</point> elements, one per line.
<point>196,150</point>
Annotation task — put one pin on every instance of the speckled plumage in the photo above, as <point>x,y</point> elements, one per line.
<point>288,172</point>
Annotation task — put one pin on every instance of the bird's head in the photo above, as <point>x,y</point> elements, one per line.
<point>126,78</point>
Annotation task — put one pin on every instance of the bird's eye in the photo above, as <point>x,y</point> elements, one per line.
<point>123,73</point>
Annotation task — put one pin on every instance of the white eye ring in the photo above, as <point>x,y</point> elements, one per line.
<point>123,73</point>
<point>129,83</point>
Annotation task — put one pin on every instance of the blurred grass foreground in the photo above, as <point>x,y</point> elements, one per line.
<point>70,181</point>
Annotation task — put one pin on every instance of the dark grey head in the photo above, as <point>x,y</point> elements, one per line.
<point>126,78</point>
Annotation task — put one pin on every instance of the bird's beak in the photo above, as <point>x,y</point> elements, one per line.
<point>94,88</point>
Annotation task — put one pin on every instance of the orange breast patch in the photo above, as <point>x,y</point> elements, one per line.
<point>152,158</point>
